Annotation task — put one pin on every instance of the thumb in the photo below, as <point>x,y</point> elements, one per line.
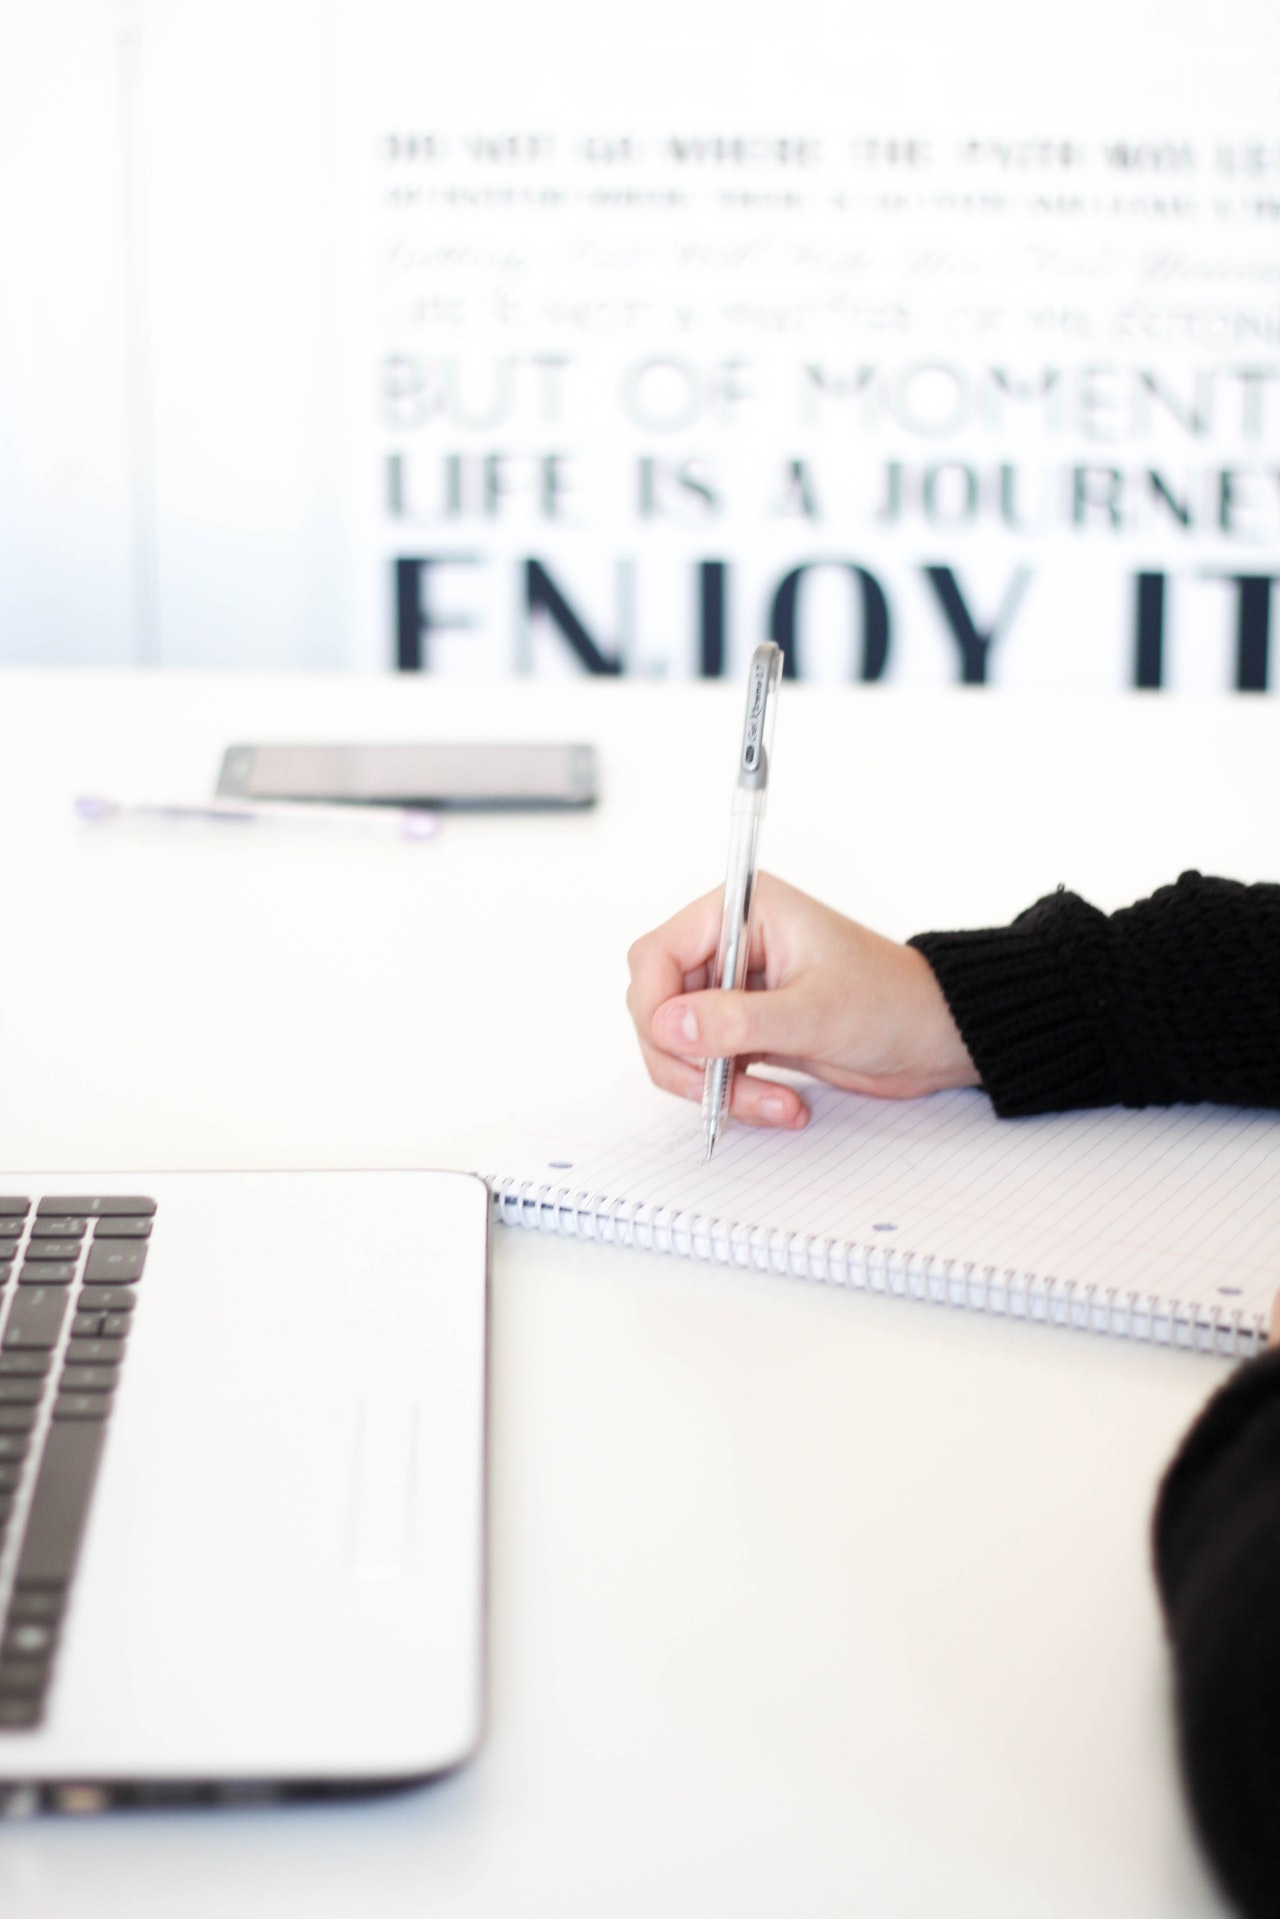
<point>724,1023</point>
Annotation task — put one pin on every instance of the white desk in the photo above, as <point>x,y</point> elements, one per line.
<point>802,1603</point>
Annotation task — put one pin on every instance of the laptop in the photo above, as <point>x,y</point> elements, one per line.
<point>242,1450</point>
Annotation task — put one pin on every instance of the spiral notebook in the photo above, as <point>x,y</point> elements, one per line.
<point>1161,1224</point>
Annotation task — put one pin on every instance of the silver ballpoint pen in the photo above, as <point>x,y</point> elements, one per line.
<point>750,793</point>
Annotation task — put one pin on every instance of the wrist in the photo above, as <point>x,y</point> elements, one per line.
<point>940,1055</point>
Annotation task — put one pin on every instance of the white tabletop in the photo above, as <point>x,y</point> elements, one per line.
<point>800,1602</point>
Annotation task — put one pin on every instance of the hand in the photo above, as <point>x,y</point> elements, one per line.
<point>842,1004</point>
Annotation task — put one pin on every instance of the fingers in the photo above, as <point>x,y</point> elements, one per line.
<point>758,1102</point>
<point>763,1102</point>
<point>673,965</point>
<point>675,954</point>
<point>730,1025</point>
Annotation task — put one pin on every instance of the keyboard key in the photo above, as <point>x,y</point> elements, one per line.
<point>36,1319</point>
<point>88,1352</point>
<point>109,1262</point>
<point>109,1300</point>
<point>17,1419</point>
<point>82,1405</point>
<point>6,1507</point>
<point>22,1678</point>
<point>9,1477</point>
<point>115,1326</point>
<point>58,1229</point>
<point>53,1249</point>
<point>111,1205</point>
<point>19,1715</point>
<point>122,1229</point>
<point>11,1208</point>
<point>29,1641</point>
<point>21,1392</point>
<point>84,1379</point>
<point>23,1365</point>
<point>60,1502</point>
<point>11,1228</point>
<point>54,1272</point>
<point>35,1604</point>
<point>13,1448</point>
<point>86,1325</point>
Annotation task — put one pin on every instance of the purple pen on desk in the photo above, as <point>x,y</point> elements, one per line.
<point>384,822</point>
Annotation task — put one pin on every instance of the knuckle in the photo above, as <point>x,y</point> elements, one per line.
<point>730,1027</point>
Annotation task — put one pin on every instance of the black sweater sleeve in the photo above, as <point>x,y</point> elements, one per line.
<point>1175,998</point>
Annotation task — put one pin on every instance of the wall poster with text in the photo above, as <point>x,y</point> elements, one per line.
<point>931,355</point>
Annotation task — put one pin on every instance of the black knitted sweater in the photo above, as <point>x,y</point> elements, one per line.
<point>1176,998</point>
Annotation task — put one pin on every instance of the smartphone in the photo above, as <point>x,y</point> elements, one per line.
<point>460,775</point>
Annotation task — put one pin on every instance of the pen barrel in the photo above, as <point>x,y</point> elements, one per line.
<point>734,948</point>
<point>749,795</point>
<point>739,888</point>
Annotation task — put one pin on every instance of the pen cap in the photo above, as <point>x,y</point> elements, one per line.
<point>763,679</point>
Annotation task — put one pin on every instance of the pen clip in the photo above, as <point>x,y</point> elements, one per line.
<point>757,730</point>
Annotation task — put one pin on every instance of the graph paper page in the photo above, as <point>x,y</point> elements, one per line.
<point>1178,1203</point>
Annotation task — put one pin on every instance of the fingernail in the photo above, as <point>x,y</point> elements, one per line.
<point>680,1024</point>
<point>773,1106</point>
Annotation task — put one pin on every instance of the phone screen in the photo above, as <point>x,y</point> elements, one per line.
<point>448,774</point>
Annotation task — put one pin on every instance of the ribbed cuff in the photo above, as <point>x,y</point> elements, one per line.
<point>1027,1028</point>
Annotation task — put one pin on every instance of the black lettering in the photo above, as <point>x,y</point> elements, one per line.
<point>1096,488</point>
<point>1148,652</point>
<point>1253,628</point>
<point>1010,480</point>
<point>682,491</point>
<point>892,508</point>
<point>1193,418</point>
<point>958,485</point>
<point>1161,490</point>
<point>875,618</point>
<point>974,643</point>
<point>415,617</point>
<point>798,496</point>
<point>711,618</point>
<point>542,595</point>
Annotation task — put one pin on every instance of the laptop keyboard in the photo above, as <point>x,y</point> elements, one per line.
<point>69,1268</point>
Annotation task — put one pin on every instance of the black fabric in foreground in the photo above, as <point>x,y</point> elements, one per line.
<point>1216,1547</point>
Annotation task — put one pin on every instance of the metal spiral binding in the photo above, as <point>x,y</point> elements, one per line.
<point>876,1267</point>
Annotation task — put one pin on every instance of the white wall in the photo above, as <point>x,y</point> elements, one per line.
<point>67,587</point>
<point>168,464</point>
